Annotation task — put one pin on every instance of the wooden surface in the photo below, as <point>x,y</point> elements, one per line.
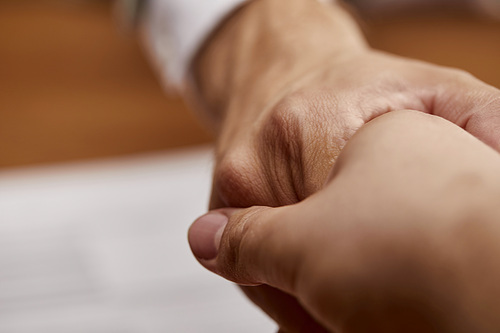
<point>72,87</point>
<point>449,38</point>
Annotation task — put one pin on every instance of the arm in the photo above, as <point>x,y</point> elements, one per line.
<point>286,86</point>
<point>293,82</point>
<point>266,46</point>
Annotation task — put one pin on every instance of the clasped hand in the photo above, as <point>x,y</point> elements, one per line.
<point>379,208</point>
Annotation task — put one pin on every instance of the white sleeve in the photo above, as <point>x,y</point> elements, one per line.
<point>175,29</point>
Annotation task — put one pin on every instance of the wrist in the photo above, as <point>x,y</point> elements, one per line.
<point>264,47</point>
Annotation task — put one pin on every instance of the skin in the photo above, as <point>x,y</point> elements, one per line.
<point>286,87</point>
<point>404,237</point>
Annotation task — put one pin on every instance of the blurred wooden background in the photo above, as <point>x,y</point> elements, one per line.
<point>73,87</point>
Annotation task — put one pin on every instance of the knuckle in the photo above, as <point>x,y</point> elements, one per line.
<point>298,111</point>
<point>297,143</point>
<point>484,121</point>
<point>285,119</point>
<point>281,143</point>
<point>491,102</point>
<point>283,128</point>
<point>237,179</point>
<point>459,75</point>
<point>463,73</point>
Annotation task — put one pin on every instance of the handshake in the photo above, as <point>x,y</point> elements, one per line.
<point>354,191</point>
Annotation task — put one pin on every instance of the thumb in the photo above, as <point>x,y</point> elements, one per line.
<point>251,246</point>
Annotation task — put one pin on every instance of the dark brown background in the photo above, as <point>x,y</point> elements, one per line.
<point>73,87</point>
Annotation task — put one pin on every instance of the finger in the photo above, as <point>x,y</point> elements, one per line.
<point>472,105</point>
<point>485,124</point>
<point>250,247</point>
<point>253,247</point>
<point>284,309</point>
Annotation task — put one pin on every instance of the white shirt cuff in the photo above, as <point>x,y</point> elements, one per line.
<point>175,29</point>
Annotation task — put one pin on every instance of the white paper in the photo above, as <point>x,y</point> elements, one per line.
<point>102,247</point>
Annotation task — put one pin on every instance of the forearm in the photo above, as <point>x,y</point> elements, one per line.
<point>263,47</point>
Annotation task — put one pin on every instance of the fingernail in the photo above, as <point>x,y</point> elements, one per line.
<point>205,234</point>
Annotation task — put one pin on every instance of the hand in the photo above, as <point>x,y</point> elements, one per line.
<point>403,238</point>
<point>287,86</point>
<point>283,107</point>
<point>285,153</point>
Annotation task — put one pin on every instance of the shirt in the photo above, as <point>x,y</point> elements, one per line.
<point>174,30</point>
